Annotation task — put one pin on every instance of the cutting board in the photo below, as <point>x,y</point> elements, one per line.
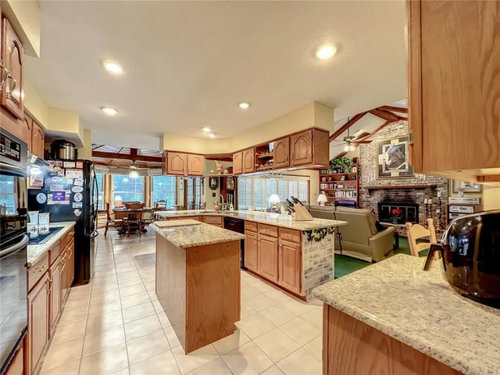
<point>176,223</point>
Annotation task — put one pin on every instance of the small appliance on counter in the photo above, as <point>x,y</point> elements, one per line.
<point>470,252</point>
<point>70,193</point>
<point>63,150</point>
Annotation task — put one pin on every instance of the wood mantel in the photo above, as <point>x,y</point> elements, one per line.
<point>399,187</point>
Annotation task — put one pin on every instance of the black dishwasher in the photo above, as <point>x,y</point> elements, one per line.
<point>237,225</point>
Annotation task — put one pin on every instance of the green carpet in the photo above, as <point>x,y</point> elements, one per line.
<point>345,265</point>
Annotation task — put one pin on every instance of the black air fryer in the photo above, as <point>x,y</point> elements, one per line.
<point>471,256</point>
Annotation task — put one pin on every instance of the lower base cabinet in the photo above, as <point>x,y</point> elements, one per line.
<point>268,257</point>
<point>16,366</point>
<point>290,262</point>
<point>46,300</point>
<point>251,250</point>
<point>38,320</point>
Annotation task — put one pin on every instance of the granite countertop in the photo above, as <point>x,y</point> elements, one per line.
<point>36,252</point>
<point>197,235</point>
<point>420,309</point>
<point>279,220</point>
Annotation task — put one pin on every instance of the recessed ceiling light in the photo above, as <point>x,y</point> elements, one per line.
<point>244,105</point>
<point>326,52</point>
<point>109,111</point>
<point>211,135</point>
<point>112,67</point>
<point>206,129</point>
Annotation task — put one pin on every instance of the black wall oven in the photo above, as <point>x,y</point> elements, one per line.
<point>13,246</point>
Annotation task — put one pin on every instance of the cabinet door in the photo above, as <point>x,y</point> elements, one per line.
<point>301,148</point>
<point>453,100</point>
<point>64,276</point>
<point>251,251</point>
<point>176,163</point>
<point>281,153</point>
<point>55,295</point>
<point>196,165</point>
<point>16,366</point>
<point>37,140</point>
<point>268,257</point>
<point>39,320</point>
<point>249,160</point>
<point>26,131</point>
<point>290,266</point>
<point>12,56</point>
<point>71,264</point>
<point>238,163</point>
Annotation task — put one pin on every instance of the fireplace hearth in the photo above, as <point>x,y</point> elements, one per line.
<point>398,212</point>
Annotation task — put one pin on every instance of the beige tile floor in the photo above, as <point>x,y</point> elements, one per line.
<point>115,325</point>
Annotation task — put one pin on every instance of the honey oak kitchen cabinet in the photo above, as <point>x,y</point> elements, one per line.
<point>310,147</point>
<point>39,321</point>
<point>268,257</point>
<point>12,57</point>
<point>238,162</point>
<point>454,70</point>
<point>248,160</point>
<point>281,153</point>
<point>182,164</point>
<point>37,139</point>
<point>251,250</point>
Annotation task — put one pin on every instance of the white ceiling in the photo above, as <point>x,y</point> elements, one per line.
<point>188,63</point>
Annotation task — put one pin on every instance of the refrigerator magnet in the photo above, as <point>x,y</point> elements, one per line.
<point>74,173</point>
<point>78,181</point>
<point>77,212</point>
<point>56,187</point>
<point>77,189</point>
<point>77,197</point>
<point>69,164</point>
<point>41,198</point>
<point>77,204</point>
<point>79,164</point>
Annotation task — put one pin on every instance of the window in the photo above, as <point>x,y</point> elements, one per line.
<point>164,188</point>
<point>100,177</point>
<point>127,189</point>
<point>193,190</point>
<point>7,194</point>
<point>254,192</point>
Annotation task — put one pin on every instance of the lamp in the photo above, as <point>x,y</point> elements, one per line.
<point>322,199</point>
<point>274,199</point>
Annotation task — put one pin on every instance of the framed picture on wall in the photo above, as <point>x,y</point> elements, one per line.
<point>466,187</point>
<point>393,159</point>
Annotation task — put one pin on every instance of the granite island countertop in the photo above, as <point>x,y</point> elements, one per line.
<point>36,252</point>
<point>279,220</point>
<point>197,235</point>
<point>420,309</point>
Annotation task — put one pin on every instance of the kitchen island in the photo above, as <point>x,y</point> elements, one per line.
<point>296,256</point>
<point>395,318</point>
<point>198,281</point>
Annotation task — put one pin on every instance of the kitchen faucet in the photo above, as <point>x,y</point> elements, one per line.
<point>222,204</point>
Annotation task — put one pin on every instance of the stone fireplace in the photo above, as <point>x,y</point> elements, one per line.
<point>397,212</point>
<point>419,196</point>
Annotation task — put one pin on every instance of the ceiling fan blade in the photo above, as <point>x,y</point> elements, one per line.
<point>359,142</point>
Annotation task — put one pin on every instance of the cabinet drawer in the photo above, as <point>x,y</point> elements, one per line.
<point>36,272</point>
<point>214,220</point>
<point>250,226</point>
<point>55,251</point>
<point>268,230</point>
<point>290,235</point>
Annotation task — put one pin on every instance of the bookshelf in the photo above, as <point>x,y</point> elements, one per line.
<point>341,186</point>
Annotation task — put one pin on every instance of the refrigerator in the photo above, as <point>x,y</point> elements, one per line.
<point>70,193</point>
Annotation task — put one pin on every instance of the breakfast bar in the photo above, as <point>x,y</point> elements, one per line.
<point>395,318</point>
<point>198,280</point>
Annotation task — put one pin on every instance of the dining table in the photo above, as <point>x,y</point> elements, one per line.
<point>121,212</point>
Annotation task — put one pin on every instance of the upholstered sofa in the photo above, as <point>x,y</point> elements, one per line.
<point>360,238</point>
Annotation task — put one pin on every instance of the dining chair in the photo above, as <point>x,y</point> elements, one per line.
<point>133,221</point>
<point>161,204</point>
<point>418,232</point>
<point>110,220</point>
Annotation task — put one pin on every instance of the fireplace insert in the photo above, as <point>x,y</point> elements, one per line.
<point>398,212</point>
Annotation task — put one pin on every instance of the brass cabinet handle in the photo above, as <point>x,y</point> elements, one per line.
<point>2,67</point>
<point>8,75</point>
<point>39,269</point>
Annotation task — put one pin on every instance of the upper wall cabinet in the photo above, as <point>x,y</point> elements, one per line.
<point>249,160</point>
<point>281,153</point>
<point>310,147</point>
<point>238,162</point>
<point>178,163</point>
<point>195,165</point>
<point>454,88</point>
<point>12,57</point>
<point>37,140</point>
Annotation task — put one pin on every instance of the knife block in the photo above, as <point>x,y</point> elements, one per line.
<point>301,213</point>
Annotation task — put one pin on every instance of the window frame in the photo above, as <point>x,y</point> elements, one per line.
<point>152,192</point>
<point>113,176</point>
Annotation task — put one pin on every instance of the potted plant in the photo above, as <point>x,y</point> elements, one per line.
<point>343,164</point>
